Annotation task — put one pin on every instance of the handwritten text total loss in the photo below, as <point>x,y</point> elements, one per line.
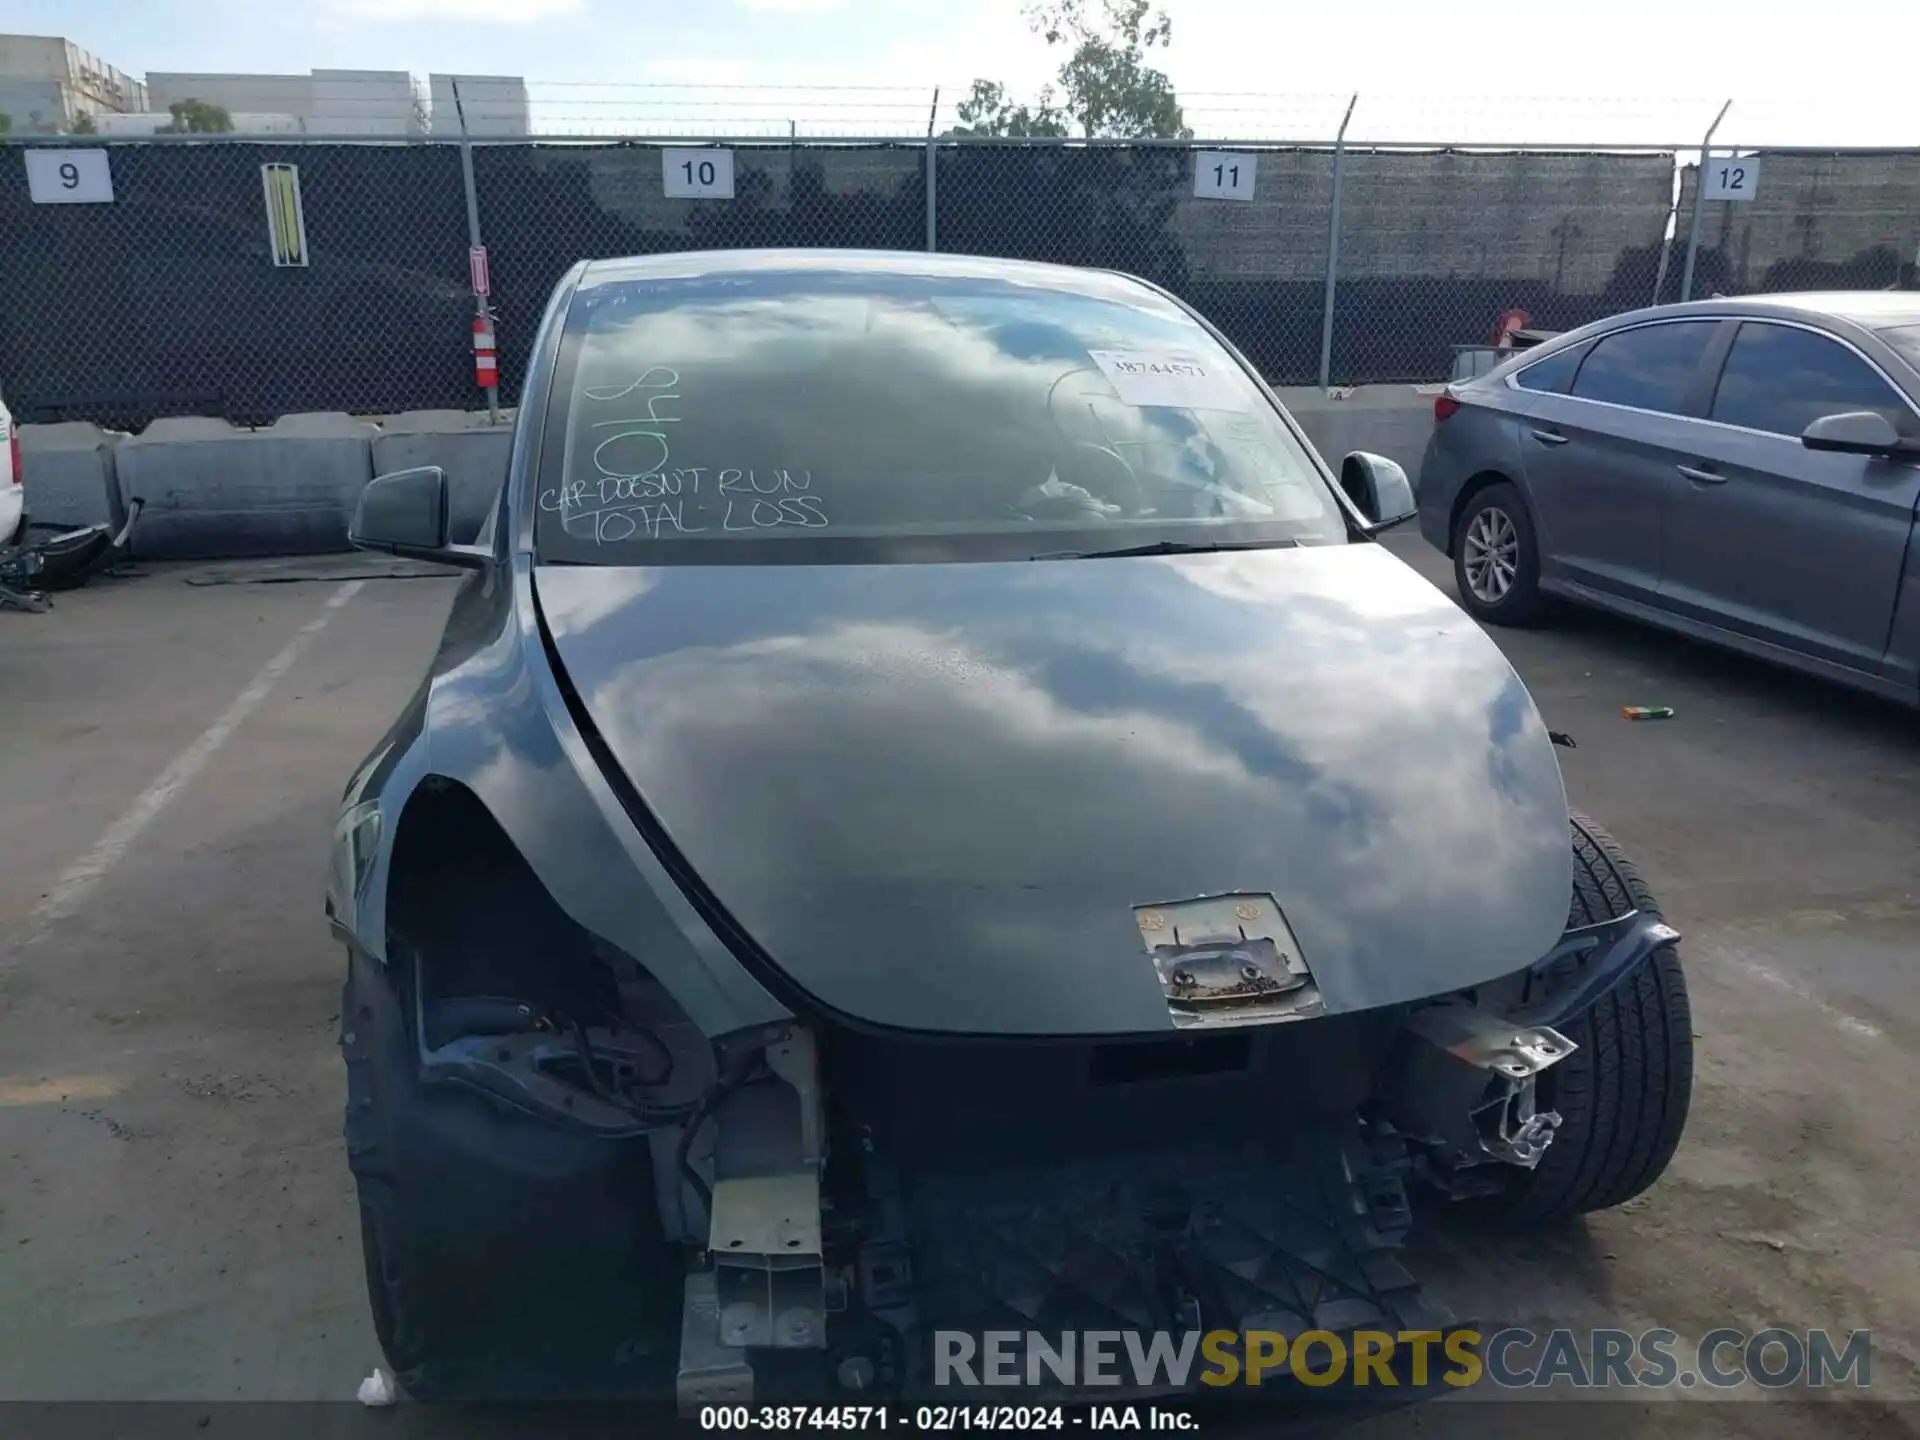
<point>688,501</point>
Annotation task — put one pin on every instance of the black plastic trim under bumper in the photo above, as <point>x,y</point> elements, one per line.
<point>1605,954</point>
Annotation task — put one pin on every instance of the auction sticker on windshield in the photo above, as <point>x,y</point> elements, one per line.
<point>1166,377</point>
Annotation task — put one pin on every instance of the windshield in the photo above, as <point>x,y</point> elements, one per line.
<point>880,415</point>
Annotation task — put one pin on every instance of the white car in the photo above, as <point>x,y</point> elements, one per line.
<point>13,499</point>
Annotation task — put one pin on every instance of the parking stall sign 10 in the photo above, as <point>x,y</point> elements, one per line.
<point>697,174</point>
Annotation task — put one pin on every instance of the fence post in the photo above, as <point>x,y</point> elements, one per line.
<point>1699,183</point>
<point>473,233</point>
<point>933,229</point>
<point>1333,248</point>
<point>1666,242</point>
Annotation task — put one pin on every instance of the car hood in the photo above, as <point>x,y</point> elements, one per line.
<point>933,795</point>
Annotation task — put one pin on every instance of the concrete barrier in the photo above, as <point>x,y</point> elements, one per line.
<point>1391,420</point>
<point>69,474</point>
<point>460,442</point>
<point>214,492</point>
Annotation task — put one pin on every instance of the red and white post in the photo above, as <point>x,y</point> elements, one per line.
<point>486,361</point>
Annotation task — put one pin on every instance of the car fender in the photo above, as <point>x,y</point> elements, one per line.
<point>492,719</point>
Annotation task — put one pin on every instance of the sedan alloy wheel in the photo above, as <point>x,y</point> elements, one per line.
<point>1492,555</point>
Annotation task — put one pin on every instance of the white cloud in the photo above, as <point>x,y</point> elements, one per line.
<point>797,7</point>
<point>700,70</point>
<point>505,12</point>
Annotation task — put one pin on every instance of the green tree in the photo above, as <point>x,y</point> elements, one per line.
<point>6,124</point>
<point>1106,87</point>
<point>987,111</point>
<point>196,117</point>
<point>83,124</point>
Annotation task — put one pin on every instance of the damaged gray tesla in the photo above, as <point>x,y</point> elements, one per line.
<point>933,814</point>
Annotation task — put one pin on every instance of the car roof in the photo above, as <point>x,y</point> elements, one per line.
<point>1867,309</point>
<point>698,264</point>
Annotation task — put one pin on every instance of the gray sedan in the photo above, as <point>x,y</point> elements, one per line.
<point>1744,471</point>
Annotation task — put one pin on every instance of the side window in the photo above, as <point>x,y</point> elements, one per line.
<point>1782,379</point>
<point>1652,367</point>
<point>1553,374</point>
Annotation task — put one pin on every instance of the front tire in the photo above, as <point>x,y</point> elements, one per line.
<point>506,1258</point>
<point>1623,1096</point>
<point>1496,558</point>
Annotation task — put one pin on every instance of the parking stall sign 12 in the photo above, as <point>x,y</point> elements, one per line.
<point>1731,177</point>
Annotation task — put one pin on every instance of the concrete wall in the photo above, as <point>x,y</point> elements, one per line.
<point>214,492</point>
<point>69,474</point>
<point>250,94</point>
<point>41,57</point>
<point>1391,420</point>
<point>460,442</point>
<point>363,102</point>
<point>35,106</point>
<point>494,105</point>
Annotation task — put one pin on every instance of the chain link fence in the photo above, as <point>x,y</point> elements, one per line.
<point>1437,246</point>
<point>1817,221</point>
<point>544,207</point>
<point>168,300</point>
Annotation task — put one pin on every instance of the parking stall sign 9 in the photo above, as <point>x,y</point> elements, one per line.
<point>69,177</point>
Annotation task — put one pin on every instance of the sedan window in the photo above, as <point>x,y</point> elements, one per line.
<point>1553,373</point>
<point>1781,379</point>
<point>1651,367</point>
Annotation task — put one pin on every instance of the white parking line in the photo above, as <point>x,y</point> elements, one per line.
<point>79,878</point>
<point>1786,984</point>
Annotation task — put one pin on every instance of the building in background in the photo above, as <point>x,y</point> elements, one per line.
<point>324,102</point>
<point>47,83</point>
<point>152,122</point>
<point>493,105</point>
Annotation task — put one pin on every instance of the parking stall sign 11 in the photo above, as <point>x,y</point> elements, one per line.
<point>1223,174</point>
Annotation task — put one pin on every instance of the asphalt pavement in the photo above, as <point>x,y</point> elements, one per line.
<point>176,1220</point>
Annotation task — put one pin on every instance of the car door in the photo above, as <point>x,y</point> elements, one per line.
<point>1769,539</point>
<point>1600,458</point>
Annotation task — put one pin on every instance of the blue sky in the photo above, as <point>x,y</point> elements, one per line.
<point>1445,71</point>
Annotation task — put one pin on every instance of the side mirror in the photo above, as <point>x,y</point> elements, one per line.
<point>405,513</point>
<point>1856,432</point>
<point>1379,488</point>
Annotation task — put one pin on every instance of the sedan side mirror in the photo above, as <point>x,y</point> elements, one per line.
<point>1379,488</point>
<point>405,513</point>
<point>1856,432</point>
